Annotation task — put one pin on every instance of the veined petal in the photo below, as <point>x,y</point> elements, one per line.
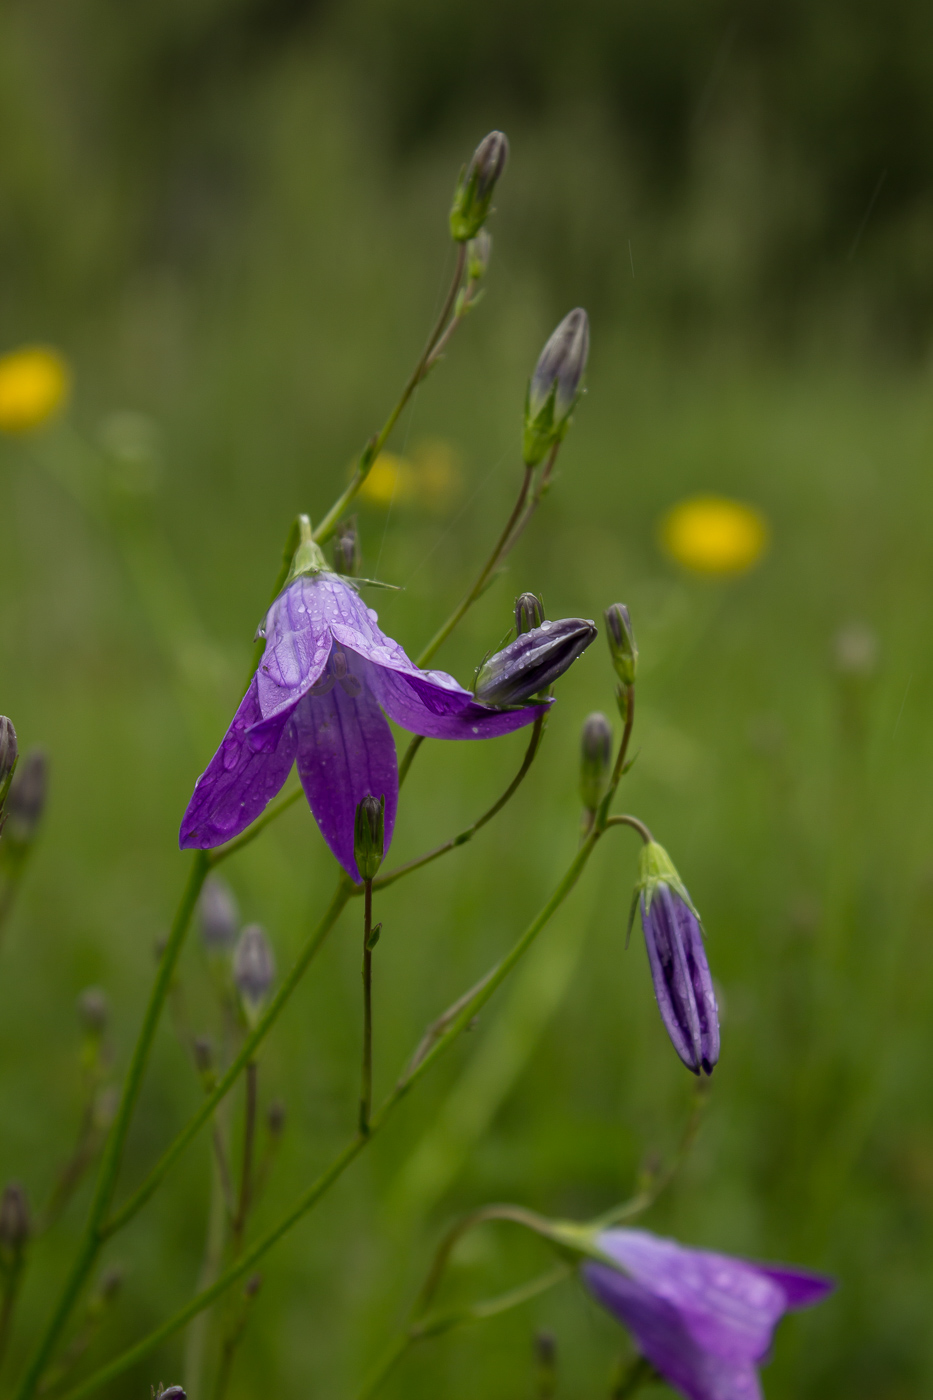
<point>802,1288</point>
<point>670,973</point>
<point>345,753</point>
<point>663,1337</point>
<point>239,780</point>
<point>298,643</point>
<point>425,704</point>
<point>729,1307</point>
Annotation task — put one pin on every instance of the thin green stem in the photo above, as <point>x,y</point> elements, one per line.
<point>265,1023</point>
<point>375,445</point>
<point>246,1172</point>
<point>408,757</point>
<point>366,1077</point>
<point>11,1287</point>
<point>383,881</point>
<point>456,1024</point>
<point>625,819</point>
<point>113,1150</point>
<point>602,816</point>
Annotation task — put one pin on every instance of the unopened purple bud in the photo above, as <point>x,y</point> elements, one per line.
<point>253,968</point>
<point>533,661</point>
<point>9,752</point>
<point>174,1392</point>
<point>369,836</point>
<point>93,1010</point>
<point>25,801</point>
<point>621,638</point>
<point>674,940</point>
<point>529,613</point>
<point>347,557</point>
<point>220,917</point>
<point>556,385</point>
<point>473,195</point>
<point>15,1224</point>
<point>595,759</point>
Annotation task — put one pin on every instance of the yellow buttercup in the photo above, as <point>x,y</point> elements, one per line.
<point>34,384</point>
<point>714,535</point>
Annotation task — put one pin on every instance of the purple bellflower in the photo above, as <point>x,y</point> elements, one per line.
<point>674,940</point>
<point>327,675</point>
<point>704,1320</point>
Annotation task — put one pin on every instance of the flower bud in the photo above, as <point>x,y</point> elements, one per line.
<point>529,612</point>
<point>25,801</point>
<point>473,195</point>
<point>276,1116</point>
<point>203,1052</point>
<point>369,836</point>
<point>93,1010</point>
<point>347,557</point>
<point>253,968</point>
<point>621,640</point>
<point>15,1225</point>
<point>532,661</point>
<point>220,918</point>
<point>9,753</point>
<point>595,759</point>
<point>680,972</point>
<point>174,1392</point>
<point>555,386</point>
<point>479,251</point>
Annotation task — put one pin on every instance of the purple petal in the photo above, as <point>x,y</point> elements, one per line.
<point>801,1287</point>
<point>729,1307</point>
<point>665,1340</point>
<point>298,643</point>
<point>432,704</point>
<point>345,753</point>
<point>239,780</point>
<point>682,982</point>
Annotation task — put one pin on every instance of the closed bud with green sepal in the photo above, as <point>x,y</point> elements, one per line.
<point>473,195</point>
<point>369,836</point>
<point>555,386</point>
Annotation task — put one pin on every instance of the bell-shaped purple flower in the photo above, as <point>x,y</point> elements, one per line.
<point>674,940</point>
<point>704,1320</point>
<point>327,680</point>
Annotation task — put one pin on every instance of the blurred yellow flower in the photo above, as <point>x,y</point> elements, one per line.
<point>438,466</point>
<point>391,478</point>
<point>34,383</point>
<point>713,535</point>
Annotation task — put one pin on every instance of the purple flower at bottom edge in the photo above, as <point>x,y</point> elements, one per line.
<point>704,1320</point>
<point>326,676</point>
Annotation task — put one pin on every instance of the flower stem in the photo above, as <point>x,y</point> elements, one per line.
<point>113,1151</point>
<point>602,816</point>
<point>534,744</point>
<point>246,1174</point>
<point>230,1076</point>
<point>366,1078</point>
<point>455,1025</point>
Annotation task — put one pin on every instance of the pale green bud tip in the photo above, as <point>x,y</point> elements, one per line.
<point>655,868</point>
<point>347,557</point>
<point>253,967</point>
<point>595,759</point>
<point>529,612</point>
<point>555,386</point>
<point>369,836</point>
<point>473,195</point>
<point>622,647</point>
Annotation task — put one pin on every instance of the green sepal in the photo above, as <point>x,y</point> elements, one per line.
<point>655,868</point>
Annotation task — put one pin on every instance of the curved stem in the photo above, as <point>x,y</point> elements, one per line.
<point>265,1023</point>
<point>624,819</point>
<point>383,881</point>
<point>113,1151</point>
<point>375,445</point>
<point>516,1214</point>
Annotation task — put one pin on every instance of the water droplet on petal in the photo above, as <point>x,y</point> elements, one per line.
<point>231,756</point>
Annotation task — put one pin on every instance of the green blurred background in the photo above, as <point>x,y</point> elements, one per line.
<point>230,216</point>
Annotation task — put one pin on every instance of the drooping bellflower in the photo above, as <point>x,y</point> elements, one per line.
<point>674,940</point>
<point>704,1320</point>
<point>327,679</point>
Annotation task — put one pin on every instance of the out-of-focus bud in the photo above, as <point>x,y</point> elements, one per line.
<point>174,1392</point>
<point>683,986</point>
<point>533,661</point>
<point>253,969</point>
<point>93,1010</point>
<point>105,1105</point>
<point>276,1117</point>
<point>621,640</point>
<point>9,752</point>
<point>855,650</point>
<point>369,836</point>
<point>110,1283</point>
<point>15,1224</point>
<point>252,1285</point>
<point>595,759</point>
<point>220,917</point>
<point>347,557</point>
<point>555,386</point>
<point>473,195</point>
<point>479,251</point>
<point>545,1365</point>
<point>203,1052</point>
<point>25,801</point>
<point>529,613</point>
